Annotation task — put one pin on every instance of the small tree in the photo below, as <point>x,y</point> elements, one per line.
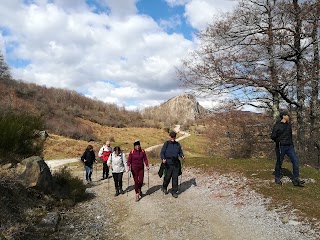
<point>19,134</point>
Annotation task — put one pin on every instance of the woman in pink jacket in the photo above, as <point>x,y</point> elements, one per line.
<point>136,161</point>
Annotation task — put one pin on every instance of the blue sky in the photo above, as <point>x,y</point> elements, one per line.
<point>119,51</point>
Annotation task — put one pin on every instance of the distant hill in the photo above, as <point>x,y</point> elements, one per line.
<point>177,110</point>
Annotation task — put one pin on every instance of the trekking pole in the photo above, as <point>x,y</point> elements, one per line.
<point>108,177</point>
<point>128,182</point>
<point>148,179</point>
<point>83,175</point>
<point>96,172</point>
<point>181,173</point>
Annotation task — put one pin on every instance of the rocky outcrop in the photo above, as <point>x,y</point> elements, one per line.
<point>35,173</point>
<point>180,109</point>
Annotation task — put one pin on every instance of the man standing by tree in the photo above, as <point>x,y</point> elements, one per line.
<point>170,153</point>
<point>282,136</point>
<point>104,153</point>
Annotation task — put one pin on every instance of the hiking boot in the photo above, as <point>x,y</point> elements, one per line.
<point>137,197</point>
<point>175,195</point>
<point>278,181</point>
<point>297,182</point>
<point>165,191</point>
<point>117,193</point>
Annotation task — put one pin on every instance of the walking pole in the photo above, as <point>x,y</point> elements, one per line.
<point>84,170</point>
<point>181,173</point>
<point>148,179</point>
<point>128,182</point>
<point>108,178</point>
<point>96,172</point>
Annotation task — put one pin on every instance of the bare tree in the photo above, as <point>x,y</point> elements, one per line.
<point>4,69</point>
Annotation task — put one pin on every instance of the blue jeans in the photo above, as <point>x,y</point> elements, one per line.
<point>281,151</point>
<point>89,171</point>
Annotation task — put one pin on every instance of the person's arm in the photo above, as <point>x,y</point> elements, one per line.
<point>124,160</point>
<point>83,157</point>
<point>181,152</point>
<point>109,162</point>
<point>145,159</point>
<point>129,160</point>
<point>100,152</point>
<point>163,152</point>
<point>274,134</point>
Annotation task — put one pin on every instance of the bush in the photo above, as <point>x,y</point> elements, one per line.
<point>69,187</point>
<point>18,134</point>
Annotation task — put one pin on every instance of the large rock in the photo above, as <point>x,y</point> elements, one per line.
<point>180,109</point>
<point>35,173</point>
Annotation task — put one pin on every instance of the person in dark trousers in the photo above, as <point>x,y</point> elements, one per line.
<point>170,153</point>
<point>136,161</point>
<point>118,163</point>
<point>282,136</point>
<point>88,158</point>
<point>104,154</point>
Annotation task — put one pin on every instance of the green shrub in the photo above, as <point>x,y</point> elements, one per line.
<point>18,133</point>
<point>69,187</point>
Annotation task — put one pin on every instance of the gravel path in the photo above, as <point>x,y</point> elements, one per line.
<point>208,207</point>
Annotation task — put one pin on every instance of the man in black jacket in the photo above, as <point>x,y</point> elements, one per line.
<point>282,136</point>
<point>170,153</point>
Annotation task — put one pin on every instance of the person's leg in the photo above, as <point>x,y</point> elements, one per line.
<point>87,173</point>
<point>294,160</point>
<point>107,171</point>
<point>120,182</point>
<point>167,178</point>
<point>175,173</point>
<point>280,151</point>
<point>136,179</point>
<point>140,180</point>
<point>104,169</point>
<point>295,166</point>
<point>115,178</point>
<point>90,172</point>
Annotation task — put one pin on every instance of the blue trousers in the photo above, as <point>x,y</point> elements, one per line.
<point>89,170</point>
<point>281,151</point>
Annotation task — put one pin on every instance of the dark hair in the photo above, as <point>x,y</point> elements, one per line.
<point>89,147</point>
<point>136,143</point>
<point>172,134</point>
<point>283,113</point>
<point>117,148</point>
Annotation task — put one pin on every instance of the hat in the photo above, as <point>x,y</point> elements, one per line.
<point>283,113</point>
<point>172,134</point>
<point>136,143</point>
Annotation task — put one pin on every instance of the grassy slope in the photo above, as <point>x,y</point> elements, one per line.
<point>197,153</point>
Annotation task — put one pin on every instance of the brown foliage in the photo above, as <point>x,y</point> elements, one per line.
<point>61,109</point>
<point>237,134</point>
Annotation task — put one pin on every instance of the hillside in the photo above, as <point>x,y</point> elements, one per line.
<point>63,110</point>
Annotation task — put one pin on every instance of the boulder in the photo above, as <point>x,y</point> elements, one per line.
<point>35,173</point>
<point>50,222</point>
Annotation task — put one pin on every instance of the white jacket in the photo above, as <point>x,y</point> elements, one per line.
<point>118,163</point>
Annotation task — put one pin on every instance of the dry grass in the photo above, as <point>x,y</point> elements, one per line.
<point>57,147</point>
<point>199,154</point>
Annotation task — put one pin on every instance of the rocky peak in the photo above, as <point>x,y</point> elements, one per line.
<point>181,109</point>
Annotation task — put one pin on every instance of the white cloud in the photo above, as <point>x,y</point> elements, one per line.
<point>173,3</point>
<point>113,55</point>
<point>201,12</point>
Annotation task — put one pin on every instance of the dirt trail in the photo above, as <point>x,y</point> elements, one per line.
<point>208,207</point>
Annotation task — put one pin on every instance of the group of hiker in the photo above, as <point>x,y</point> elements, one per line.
<point>171,151</point>
<point>136,164</point>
